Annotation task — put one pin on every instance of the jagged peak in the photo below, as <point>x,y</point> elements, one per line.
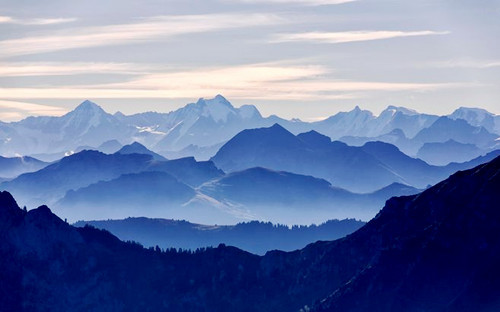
<point>88,105</point>
<point>399,109</point>
<point>218,99</point>
<point>357,111</point>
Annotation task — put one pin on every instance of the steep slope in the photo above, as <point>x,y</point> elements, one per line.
<point>309,154</point>
<point>439,250</point>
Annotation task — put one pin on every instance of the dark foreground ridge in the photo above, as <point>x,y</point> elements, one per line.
<point>435,251</point>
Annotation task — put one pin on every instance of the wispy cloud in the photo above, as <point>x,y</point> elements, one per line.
<point>74,68</point>
<point>14,110</point>
<point>35,21</point>
<point>351,36</point>
<point>146,30</point>
<point>301,2</point>
<point>469,64</point>
<point>254,81</point>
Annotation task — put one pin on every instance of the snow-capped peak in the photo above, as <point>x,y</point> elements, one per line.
<point>218,108</point>
<point>248,111</point>
<point>470,114</point>
<point>88,107</point>
<point>87,113</point>
<point>395,109</point>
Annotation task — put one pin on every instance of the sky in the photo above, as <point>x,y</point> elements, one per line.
<point>305,59</point>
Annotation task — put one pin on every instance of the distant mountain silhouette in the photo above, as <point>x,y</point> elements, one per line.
<point>110,147</point>
<point>442,130</point>
<point>14,166</point>
<point>146,193</point>
<point>310,154</point>
<point>256,237</point>
<point>362,123</point>
<point>256,194</point>
<point>188,170</point>
<point>395,137</point>
<point>138,148</point>
<point>87,125</point>
<point>458,130</point>
<point>359,169</point>
<point>72,172</point>
<point>285,197</point>
<point>200,153</point>
<point>443,153</point>
<point>198,129</point>
<point>478,118</point>
<point>435,251</point>
<point>88,167</point>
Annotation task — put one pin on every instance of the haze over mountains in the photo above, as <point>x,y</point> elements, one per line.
<point>435,251</point>
<point>265,173</point>
<point>255,237</point>
<point>200,128</point>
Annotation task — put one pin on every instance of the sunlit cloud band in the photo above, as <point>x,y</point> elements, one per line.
<point>350,36</point>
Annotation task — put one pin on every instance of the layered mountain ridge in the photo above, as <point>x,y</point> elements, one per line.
<point>434,251</point>
<point>198,128</point>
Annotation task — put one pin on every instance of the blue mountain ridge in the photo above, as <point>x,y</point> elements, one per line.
<point>434,251</point>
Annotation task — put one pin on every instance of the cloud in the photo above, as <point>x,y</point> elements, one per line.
<point>301,2</point>
<point>75,68</point>
<point>14,110</point>
<point>351,36</point>
<point>147,29</point>
<point>35,21</point>
<point>481,64</point>
<point>269,81</point>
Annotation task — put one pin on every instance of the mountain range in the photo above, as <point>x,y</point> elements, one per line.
<point>255,237</point>
<point>272,175</point>
<point>91,184</point>
<point>359,169</point>
<point>199,129</point>
<point>11,167</point>
<point>435,251</point>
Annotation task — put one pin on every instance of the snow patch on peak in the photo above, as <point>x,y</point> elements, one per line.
<point>395,109</point>
<point>475,115</point>
<point>88,106</point>
<point>218,108</point>
<point>248,111</point>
